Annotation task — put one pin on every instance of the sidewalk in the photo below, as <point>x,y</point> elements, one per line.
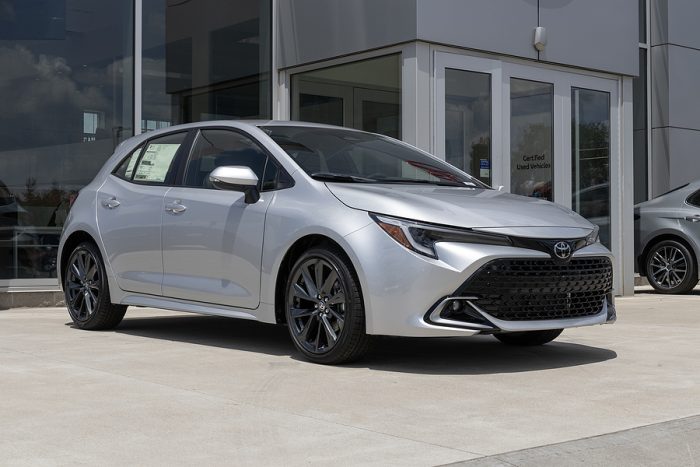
<point>176,389</point>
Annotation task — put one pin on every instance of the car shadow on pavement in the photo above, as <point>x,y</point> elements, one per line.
<point>214,331</point>
<point>477,355</point>
<point>457,355</point>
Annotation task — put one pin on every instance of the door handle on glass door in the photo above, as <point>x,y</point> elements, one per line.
<point>175,208</point>
<point>110,203</point>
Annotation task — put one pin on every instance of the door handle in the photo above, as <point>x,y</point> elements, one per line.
<point>111,203</point>
<point>694,218</point>
<point>175,207</point>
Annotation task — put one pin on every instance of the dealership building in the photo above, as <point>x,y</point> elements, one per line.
<point>592,104</point>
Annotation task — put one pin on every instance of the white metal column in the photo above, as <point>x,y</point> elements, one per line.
<point>415,95</point>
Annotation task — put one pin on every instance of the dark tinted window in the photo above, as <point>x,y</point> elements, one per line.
<point>217,148</point>
<point>275,178</point>
<point>126,167</point>
<point>694,199</point>
<point>155,164</point>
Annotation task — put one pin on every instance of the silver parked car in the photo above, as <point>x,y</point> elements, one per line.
<point>667,239</point>
<point>337,233</point>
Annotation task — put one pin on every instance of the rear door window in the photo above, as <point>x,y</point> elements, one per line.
<point>126,168</point>
<point>155,165</point>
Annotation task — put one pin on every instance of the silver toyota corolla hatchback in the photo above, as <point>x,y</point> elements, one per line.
<point>337,233</point>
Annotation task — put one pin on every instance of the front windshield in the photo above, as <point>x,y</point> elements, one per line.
<point>351,156</point>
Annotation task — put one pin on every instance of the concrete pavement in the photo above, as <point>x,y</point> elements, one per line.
<point>169,388</point>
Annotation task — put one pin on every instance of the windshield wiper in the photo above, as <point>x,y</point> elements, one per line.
<point>336,177</point>
<point>426,182</point>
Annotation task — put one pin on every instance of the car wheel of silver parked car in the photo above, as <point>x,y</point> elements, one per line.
<point>87,291</point>
<point>324,311</point>
<point>671,268</point>
<point>528,338</point>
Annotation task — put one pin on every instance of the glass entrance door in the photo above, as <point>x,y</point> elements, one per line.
<point>531,138</point>
<point>535,131</point>
<point>590,157</point>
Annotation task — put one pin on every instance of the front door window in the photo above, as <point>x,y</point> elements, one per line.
<point>531,138</point>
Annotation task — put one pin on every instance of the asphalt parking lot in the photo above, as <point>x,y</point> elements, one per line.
<point>175,389</point>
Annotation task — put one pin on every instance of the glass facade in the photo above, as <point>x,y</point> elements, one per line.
<point>468,122</point>
<point>205,60</point>
<point>67,89</point>
<point>67,92</point>
<point>531,138</point>
<point>590,151</point>
<point>365,95</point>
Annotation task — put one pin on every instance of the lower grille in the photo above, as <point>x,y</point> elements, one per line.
<point>540,289</point>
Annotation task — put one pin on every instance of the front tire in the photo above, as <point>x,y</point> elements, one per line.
<point>87,292</point>
<point>324,307</point>
<point>528,338</point>
<point>671,268</point>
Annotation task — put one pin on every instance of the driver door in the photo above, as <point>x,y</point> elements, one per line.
<point>212,239</point>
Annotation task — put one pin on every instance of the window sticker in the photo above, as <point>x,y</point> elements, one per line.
<point>156,162</point>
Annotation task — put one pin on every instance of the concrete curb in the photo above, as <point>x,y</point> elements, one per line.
<point>31,299</point>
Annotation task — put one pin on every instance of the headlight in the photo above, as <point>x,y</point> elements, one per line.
<point>593,237</point>
<point>422,238</point>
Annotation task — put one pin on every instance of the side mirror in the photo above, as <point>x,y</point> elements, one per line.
<point>236,178</point>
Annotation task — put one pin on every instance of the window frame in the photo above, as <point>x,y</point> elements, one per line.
<point>281,171</point>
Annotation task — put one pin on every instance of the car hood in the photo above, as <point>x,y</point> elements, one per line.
<point>476,208</point>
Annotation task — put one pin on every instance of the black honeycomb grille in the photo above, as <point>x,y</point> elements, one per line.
<point>539,289</point>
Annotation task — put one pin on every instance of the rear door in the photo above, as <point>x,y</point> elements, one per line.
<point>130,211</point>
<point>212,239</point>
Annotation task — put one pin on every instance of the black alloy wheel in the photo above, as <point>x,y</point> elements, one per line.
<point>324,308</point>
<point>86,290</point>
<point>670,268</point>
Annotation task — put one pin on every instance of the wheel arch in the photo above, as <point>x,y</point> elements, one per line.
<point>292,254</point>
<point>73,240</point>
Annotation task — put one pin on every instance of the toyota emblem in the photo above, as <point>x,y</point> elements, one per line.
<point>562,250</point>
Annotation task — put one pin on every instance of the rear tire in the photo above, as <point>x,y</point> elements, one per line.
<point>324,307</point>
<point>86,290</point>
<point>528,338</point>
<point>670,268</point>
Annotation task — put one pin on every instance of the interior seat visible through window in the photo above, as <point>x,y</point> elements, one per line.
<point>218,148</point>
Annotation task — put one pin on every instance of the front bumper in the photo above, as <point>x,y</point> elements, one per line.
<point>487,323</point>
<point>404,290</point>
